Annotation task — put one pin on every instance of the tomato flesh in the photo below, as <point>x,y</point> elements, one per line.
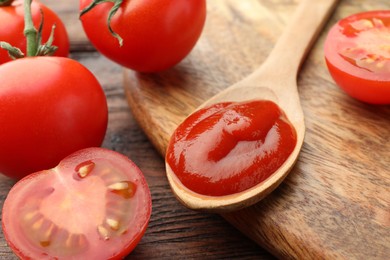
<point>94,205</point>
<point>357,53</point>
<point>230,147</point>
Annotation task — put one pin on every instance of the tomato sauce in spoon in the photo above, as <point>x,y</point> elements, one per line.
<point>230,147</point>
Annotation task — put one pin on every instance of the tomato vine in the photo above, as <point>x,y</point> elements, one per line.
<point>114,9</point>
<point>33,37</point>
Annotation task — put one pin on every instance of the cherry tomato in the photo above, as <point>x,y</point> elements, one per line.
<point>50,107</point>
<point>12,26</point>
<point>357,53</point>
<point>95,204</point>
<point>156,34</point>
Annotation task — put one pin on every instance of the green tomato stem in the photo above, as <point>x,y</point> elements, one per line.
<point>114,9</point>
<point>29,30</point>
<point>33,37</point>
<point>6,2</point>
<point>13,52</point>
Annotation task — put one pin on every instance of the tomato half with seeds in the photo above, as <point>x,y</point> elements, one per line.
<point>12,26</point>
<point>357,53</point>
<point>95,204</point>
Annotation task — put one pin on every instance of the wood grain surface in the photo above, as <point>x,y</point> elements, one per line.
<point>174,232</point>
<point>335,204</point>
<point>273,82</point>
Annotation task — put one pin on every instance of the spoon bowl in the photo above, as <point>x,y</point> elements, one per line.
<point>275,80</point>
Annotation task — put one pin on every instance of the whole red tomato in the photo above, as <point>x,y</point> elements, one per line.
<point>50,107</point>
<point>12,25</point>
<point>157,34</point>
<point>357,53</point>
<point>95,204</point>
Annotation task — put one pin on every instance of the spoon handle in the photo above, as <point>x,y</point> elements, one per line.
<point>293,45</point>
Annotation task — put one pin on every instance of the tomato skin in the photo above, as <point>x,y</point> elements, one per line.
<point>11,29</point>
<point>30,194</point>
<point>369,91</point>
<point>359,82</point>
<point>156,34</point>
<point>50,107</point>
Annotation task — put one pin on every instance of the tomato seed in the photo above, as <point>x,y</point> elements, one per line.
<point>85,168</point>
<point>49,232</point>
<point>119,186</point>
<point>37,224</point>
<point>379,23</point>
<point>44,243</point>
<point>103,232</point>
<point>29,216</point>
<point>126,189</point>
<point>114,224</point>
<point>362,24</point>
<point>72,240</point>
<point>380,64</point>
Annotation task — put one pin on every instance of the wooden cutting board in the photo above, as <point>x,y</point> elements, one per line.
<point>336,201</point>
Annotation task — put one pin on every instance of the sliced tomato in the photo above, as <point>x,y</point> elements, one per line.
<point>357,52</point>
<point>94,205</point>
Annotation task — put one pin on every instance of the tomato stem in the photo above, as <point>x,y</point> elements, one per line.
<point>114,9</point>
<point>29,30</point>
<point>6,2</point>
<point>13,52</point>
<point>33,37</point>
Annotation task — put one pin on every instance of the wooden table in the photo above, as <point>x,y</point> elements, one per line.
<point>324,226</point>
<point>335,203</point>
<point>174,232</point>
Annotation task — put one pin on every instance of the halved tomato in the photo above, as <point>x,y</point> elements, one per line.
<point>357,53</point>
<point>94,205</point>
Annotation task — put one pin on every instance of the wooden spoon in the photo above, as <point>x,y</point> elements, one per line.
<point>275,80</point>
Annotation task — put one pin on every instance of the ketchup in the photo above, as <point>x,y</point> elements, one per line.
<point>230,147</point>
